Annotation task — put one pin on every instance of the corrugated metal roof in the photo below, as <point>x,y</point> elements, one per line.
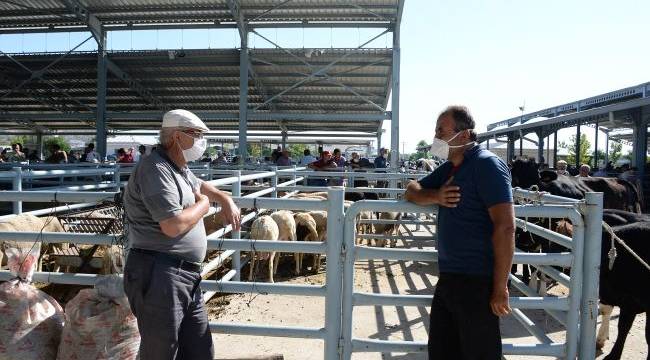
<point>200,80</point>
<point>53,13</point>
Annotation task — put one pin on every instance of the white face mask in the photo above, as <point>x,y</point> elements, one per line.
<point>194,153</point>
<point>440,148</point>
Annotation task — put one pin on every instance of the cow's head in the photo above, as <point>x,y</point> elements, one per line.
<point>546,176</point>
<point>524,173</point>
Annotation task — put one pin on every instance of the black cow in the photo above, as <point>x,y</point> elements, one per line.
<point>626,284</point>
<point>617,193</point>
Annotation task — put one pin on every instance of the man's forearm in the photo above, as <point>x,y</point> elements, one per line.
<point>417,195</point>
<point>184,221</point>
<point>504,247</point>
<point>214,194</point>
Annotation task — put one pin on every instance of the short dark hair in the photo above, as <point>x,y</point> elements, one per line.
<point>306,152</point>
<point>337,151</point>
<point>463,120</point>
<point>91,145</point>
<point>19,145</point>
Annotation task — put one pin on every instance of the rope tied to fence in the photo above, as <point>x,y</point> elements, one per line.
<point>612,254</point>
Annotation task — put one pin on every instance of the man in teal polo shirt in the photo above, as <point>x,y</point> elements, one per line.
<point>475,240</point>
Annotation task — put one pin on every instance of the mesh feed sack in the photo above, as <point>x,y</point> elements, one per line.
<point>99,324</point>
<point>30,320</point>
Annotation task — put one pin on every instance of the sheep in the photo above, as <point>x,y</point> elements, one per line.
<point>364,228</point>
<point>386,229</point>
<point>31,223</point>
<point>305,231</point>
<point>264,228</point>
<point>320,217</point>
<point>287,231</point>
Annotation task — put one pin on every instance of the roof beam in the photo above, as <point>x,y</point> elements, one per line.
<point>235,10</point>
<point>135,85</point>
<point>82,13</point>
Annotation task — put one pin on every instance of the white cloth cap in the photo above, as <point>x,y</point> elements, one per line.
<point>183,118</point>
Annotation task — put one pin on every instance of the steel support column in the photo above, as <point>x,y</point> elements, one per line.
<point>596,147</point>
<point>395,83</point>
<point>510,149</point>
<point>606,148</point>
<point>284,140</point>
<point>578,157</point>
<point>378,143</point>
<point>243,98</point>
<point>39,141</point>
<point>555,150</point>
<point>540,147</point>
<point>640,146</point>
<point>101,95</point>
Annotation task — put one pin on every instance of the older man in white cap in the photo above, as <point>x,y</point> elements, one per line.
<point>165,204</point>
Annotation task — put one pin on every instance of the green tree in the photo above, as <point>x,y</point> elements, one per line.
<point>56,140</point>
<point>22,139</point>
<point>585,154</point>
<point>615,153</point>
<point>420,154</point>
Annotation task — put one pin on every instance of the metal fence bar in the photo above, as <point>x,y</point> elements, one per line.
<point>591,268</point>
<point>531,327</point>
<point>61,196</point>
<point>236,256</point>
<point>333,278</point>
<point>540,231</point>
<point>268,330</point>
<point>17,186</point>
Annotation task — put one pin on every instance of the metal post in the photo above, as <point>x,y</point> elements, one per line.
<point>39,140</point>
<point>606,148</point>
<point>578,157</point>
<point>284,140</point>
<point>487,144</point>
<point>521,144</point>
<point>236,256</point>
<point>596,147</point>
<point>293,175</point>
<point>378,143</point>
<point>548,149</point>
<point>274,182</point>
<point>395,84</point>
<point>116,176</point>
<point>101,95</point>
<point>591,266</point>
<point>18,186</point>
<point>243,97</point>
<point>640,145</point>
<point>540,147</point>
<point>333,279</point>
<point>555,150</point>
<point>510,149</point>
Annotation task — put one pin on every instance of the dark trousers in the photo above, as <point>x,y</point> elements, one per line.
<point>462,325</point>
<point>168,304</point>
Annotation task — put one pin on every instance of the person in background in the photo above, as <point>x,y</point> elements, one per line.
<point>283,159</point>
<point>18,154</point>
<point>276,154</point>
<point>3,156</point>
<point>381,162</point>
<point>123,156</point>
<point>33,157</point>
<point>307,158</point>
<point>57,156</point>
<point>325,163</point>
<point>338,158</point>
<point>142,152</point>
<point>561,168</point>
<point>354,161</point>
<point>90,155</point>
<point>73,156</point>
<point>584,170</point>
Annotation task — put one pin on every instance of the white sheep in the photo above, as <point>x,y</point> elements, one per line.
<point>287,231</point>
<point>264,228</point>
<point>31,223</point>
<point>320,217</point>
<point>305,231</point>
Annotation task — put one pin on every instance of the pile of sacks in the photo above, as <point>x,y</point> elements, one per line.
<point>97,323</point>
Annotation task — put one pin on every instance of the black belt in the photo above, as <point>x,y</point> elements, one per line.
<point>171,259</point>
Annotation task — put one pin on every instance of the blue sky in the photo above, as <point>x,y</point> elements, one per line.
<point>489,55</point>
